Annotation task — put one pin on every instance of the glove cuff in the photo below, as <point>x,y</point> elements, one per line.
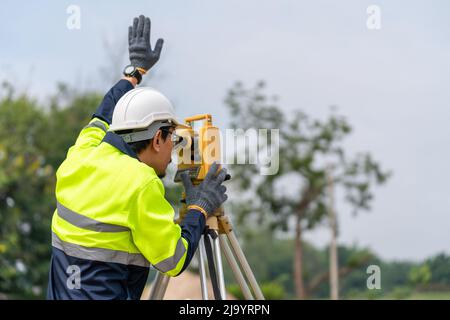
<point>198,208</point>
<point>141,70</point>
<point>205,205</point>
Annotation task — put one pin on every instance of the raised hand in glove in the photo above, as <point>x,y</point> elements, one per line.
<point>141,54</point>
<point>209,195</point>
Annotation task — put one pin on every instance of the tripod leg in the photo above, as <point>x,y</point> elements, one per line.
<point>245,266</point>
<point>159,286</point>
<point>201,267</point>
<point>219,267</point>
<point>235,269</point>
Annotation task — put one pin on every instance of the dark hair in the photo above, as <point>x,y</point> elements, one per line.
<point>138,146</point>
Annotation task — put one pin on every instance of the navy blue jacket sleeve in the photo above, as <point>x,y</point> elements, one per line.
<point>192,228</point>
<point>106,108</point>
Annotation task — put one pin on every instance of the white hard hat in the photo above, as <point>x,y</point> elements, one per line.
<point>142,108</point>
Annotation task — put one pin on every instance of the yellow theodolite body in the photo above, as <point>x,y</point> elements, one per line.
<point>199,149</point>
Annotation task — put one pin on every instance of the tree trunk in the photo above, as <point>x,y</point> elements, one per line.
<point>308,196</point>
<point>298,261</point>
<point>334,279</point>
<point>334,267</point>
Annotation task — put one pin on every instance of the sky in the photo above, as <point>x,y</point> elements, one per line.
<point>391,83</point>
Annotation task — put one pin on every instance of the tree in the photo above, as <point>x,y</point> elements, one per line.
<point>26,197</point>
<point>306,147</point>
<point>33,142</point>
<point>350,260</point>
<point>420,276</point>
<point>440,270</point>
<point>68,112</point>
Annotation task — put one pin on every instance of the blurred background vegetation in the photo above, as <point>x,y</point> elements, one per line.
<point>34,139</point>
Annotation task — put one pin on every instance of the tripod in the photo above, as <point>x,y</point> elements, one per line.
<point>218,233</point>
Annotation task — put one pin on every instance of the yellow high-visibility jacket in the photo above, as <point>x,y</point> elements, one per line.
<point>111,218</point>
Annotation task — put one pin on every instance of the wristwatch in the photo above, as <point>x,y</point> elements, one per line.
<point>132,71</point>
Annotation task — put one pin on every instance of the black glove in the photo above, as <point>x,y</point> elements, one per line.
<point>208,195</point>
<point>141,53</point>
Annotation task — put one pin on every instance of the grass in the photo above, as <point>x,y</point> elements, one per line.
<point>429,296</point>
<point>403,293</point>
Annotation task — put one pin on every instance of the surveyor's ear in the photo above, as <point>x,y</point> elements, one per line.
<point>157,139</point>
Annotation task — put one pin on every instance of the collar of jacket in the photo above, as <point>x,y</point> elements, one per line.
<point>116,141</point>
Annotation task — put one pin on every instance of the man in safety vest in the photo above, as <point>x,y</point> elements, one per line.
<point>111,220</point>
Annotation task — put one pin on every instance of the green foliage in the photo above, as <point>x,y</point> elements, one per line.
<point>430,295</point>
<point>69,113</point>
<point>401,293</point>
<point>235,291</point>
<point>33,142</point>
<point>26,197</point>
<point>270,259</point>
<point>373,294</point>
<point>420,275</point>
<point>271,291</point>
<point>353,259</point>
<point>394,274</point>
<point>440,269</point>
